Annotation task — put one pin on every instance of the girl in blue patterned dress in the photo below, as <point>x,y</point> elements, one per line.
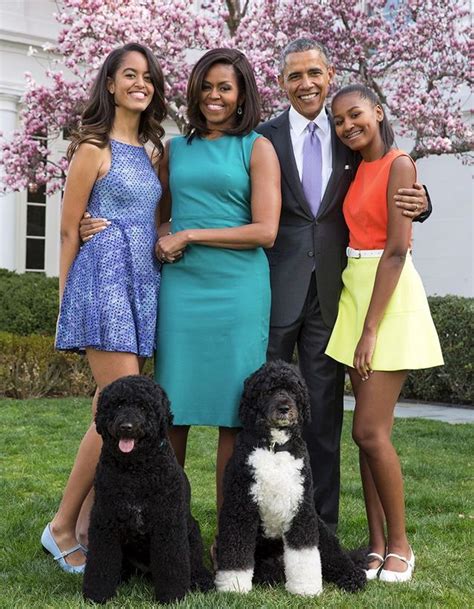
<point>109,287</point>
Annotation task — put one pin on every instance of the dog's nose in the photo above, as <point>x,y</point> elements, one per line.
<point>283,409</point>
<point>126,427</point>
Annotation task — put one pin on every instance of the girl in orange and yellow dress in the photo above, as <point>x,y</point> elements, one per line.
<point>384,326</point>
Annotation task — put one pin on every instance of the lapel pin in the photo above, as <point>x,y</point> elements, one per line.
<point>347,167</point>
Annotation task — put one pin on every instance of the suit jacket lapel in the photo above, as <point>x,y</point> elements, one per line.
<point>284,148</point>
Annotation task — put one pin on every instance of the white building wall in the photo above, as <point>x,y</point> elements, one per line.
<point>443,246</point>
<point>8,203</point>
<point>23,23</point>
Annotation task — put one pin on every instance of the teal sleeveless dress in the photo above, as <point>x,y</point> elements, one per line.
<point>214,307</point>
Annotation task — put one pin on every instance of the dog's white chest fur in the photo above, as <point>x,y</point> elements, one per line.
<point>278,487</point>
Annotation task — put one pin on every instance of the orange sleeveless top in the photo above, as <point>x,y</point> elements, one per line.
<point>365,205</point>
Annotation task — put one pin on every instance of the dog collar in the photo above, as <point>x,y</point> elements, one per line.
<point>279,439</point>
<point>276,447</point>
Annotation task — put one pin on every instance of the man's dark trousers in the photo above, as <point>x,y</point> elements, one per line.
<point>306,265</point>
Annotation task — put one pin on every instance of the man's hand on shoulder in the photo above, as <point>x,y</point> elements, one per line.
<point>88,226</point>
<point>412,201</point>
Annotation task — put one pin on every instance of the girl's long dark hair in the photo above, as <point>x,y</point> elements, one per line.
<point>386,131</point>
<point>250,116</point>
<point>98,116</point>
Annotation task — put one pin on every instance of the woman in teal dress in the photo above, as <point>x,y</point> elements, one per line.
<point>221,206</point>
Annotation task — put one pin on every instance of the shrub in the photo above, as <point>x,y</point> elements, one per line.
<point>28,303</point>
<point>30,367</point>
<point>452,383</point>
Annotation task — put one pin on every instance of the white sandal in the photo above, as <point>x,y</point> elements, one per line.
<point>399,576</point>
<point>372,573</point>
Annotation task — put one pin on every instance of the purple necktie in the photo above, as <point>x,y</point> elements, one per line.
<point>312,168</point>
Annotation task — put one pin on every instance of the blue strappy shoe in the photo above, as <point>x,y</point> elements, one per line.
<point>51,547</point>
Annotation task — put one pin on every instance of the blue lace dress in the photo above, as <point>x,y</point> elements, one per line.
<point>110,297</point>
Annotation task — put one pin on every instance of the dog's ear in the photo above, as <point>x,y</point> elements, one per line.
<point>253,385</point>
<point>166,419</point>
<point>100,416</point>
<point>302,396</point>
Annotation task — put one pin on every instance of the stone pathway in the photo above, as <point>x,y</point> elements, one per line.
<point>436,412</point>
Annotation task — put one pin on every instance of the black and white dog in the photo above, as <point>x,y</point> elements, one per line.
<point>268,515</point>
<point>141,515</point>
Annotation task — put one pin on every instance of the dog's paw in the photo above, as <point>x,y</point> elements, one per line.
<point>303,571</point>
<point>234,581</point>
<point>167,599</point>
<point>97,599</point>
<point>352,581</point>
<point>307,588</point>
<point>203,582</point>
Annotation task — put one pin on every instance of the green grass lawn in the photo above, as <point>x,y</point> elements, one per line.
<point>38,441</point>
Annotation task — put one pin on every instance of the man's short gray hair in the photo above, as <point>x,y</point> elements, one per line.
<point>299,46</point>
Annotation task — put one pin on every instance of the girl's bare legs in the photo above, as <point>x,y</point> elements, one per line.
<point>82,524</point>
<point>106,367</point>
<point>383,488</point>
<point>373,506</point>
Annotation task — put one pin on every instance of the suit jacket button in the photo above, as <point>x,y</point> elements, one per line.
<point>310,253</point>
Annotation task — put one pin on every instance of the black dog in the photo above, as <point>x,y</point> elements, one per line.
<point>141,514</point>
<point>268,526</point>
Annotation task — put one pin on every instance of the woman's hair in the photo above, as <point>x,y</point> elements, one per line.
<point>250,116</point>
<point>98,116</point>
<point>364,92</point>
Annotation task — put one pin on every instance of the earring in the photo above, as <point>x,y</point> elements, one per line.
<point>239,110</point>
<point>112,94</point>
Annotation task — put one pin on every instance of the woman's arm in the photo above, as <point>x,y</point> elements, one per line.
<point>163,210</point>
<point>265,206</point>
<point>402,174</point>
<point>87,165</point>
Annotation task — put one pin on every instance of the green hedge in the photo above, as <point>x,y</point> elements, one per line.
<point>451,383</point>
<point>29,366</point>
<point>28,303</point>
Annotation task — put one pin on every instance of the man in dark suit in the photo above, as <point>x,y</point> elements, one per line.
<point>309,254</point>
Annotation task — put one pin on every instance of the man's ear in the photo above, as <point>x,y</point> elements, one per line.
<point>281,81</point>
<point>331,73</point>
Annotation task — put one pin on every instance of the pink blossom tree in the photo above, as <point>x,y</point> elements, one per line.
<point>414,53</point>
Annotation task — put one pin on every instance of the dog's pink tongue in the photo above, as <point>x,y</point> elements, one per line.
<point>126,445</point>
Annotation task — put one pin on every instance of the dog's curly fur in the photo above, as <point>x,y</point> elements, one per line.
<point>141,514</point>
<point>269,530</point>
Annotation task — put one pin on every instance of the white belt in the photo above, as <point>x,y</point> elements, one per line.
<point>352,253</point>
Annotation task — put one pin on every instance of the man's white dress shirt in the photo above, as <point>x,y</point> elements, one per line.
<point>298,130</point>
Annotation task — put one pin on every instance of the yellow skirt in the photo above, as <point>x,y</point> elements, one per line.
<point>406,337</point>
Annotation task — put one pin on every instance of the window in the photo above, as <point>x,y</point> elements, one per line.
<point>35,229</point>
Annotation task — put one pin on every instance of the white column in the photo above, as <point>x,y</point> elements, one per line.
<point>8,212</point>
